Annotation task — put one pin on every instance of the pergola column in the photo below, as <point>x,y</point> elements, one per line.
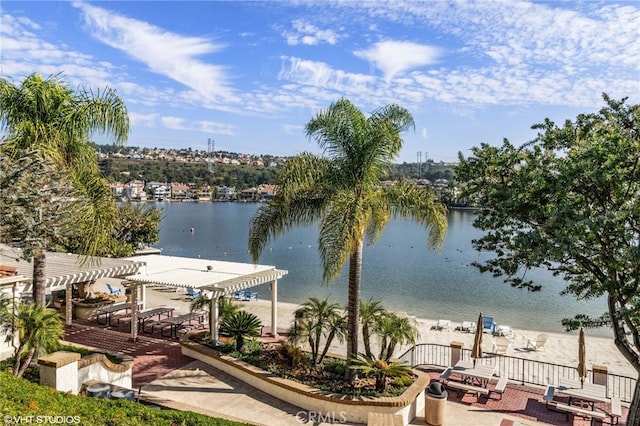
<point>134,311</point>
<point>274,308</point>
<point>68,304</point>
<point>213,318</point>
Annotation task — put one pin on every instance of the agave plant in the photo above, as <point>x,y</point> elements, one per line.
<point>380,369</point>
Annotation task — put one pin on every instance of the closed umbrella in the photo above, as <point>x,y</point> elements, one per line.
<point>582,357</point>
<point>476,351</point>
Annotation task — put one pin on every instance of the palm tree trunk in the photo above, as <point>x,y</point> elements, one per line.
<point>327,344</point>
<point>366,339</point>
<point>39,279</point>
<point>24,363</point>
<point>353,308</point>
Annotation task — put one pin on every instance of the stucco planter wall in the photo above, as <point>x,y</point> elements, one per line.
<point>87,310</point>
<point>346,408</point>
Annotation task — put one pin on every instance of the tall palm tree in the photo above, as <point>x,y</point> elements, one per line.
<point>370,312</point>
<point>342,191</point>
<point>47,116</point>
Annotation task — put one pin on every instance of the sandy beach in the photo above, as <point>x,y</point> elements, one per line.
<point>559,348</point>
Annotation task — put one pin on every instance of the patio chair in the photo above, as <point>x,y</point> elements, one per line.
<point>538,343</point>
<point>501,345</point>
<point>114,290</point>
<point>488,324</point>
<point>192,293</point>
<point>250,295</point>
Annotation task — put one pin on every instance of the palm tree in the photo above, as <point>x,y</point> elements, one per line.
<point>392,331</point>
<point>318,318</point>
<point>47,116</point>
<point>380,369</point>
<point>36,329</point>
<point>239,325</point>
<point>342,191</point>
<point>370,312</point>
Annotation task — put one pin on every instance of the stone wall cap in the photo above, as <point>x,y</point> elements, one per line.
<point>59,359</point>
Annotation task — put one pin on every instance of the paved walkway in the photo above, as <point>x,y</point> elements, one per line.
<point>169,378</point>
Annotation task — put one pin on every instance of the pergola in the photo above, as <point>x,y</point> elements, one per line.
<point>63,270</point>
<point>220,278</point>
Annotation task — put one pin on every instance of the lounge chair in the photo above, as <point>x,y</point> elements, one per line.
<point>504,330</point>
<point>488,324</point>
<point>501,345</point>
<point>468,326</point>
<point>442,324</point>
<point>538,343</point>
<point>250,295</point>
<point>192,293</point>
<point>114,290</point>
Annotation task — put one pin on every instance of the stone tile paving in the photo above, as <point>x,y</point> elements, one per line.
<point>521,401</point>
<point>153,357</point>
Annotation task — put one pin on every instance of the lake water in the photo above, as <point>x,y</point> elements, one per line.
<point>399,270</point>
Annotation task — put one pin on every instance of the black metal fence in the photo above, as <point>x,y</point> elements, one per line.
<point>520,370</point>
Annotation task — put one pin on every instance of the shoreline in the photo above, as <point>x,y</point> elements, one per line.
<point>559,349</point>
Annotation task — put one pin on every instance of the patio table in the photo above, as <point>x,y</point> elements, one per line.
<point>145,315</point>
<point>589,392</point>
<point>108,310</point>
<point>175,323</point>
<point>482,373</point>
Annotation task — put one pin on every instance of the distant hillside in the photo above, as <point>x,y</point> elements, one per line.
<point>123,164</point>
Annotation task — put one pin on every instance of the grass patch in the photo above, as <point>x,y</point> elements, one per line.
<point>19,397</point>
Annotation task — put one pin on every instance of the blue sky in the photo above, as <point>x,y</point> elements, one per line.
<point>250,75</point>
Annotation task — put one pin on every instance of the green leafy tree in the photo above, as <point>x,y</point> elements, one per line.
<point>342,191</point>
<point>34,328</point>
<point>319,320</point>
<point>569,201</point>
<point>240,325</point>
<point>392,331</point>
<point>46,116</point>
<point>370,313</point>
<point>379,369</point>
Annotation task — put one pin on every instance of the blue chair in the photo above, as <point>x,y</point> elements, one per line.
<point>112,290</point>
<point>238,295</point>
<point>488,324</point>
<point>192,293</point>
<point>250,295</point>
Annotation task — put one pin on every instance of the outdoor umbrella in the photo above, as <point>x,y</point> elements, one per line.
<point>582,357</point>
<point>476,351</point>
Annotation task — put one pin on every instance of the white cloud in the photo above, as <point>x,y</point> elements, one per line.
<point>165,53</point>
<point>396,57</point>
<point>216,128</point>
<point>174,123</point>
<point>293,129</point>
<point>320,74</point>
<point>306,33</point>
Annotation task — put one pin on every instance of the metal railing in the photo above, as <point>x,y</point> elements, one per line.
<point>524,371</point>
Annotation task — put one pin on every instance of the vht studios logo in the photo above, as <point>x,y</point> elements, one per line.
<point>317,417</point>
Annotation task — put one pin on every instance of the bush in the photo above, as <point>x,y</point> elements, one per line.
<point>20,397</point>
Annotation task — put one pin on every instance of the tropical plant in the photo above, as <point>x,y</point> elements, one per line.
<point>33,328</point>
<point>370,312</point>
<point>569,201</point>
<point>318,319</point>
<point>240,325</point>
<point>343,191</point>
<point>47,117</point>
<point>379,369</point>
<point>393,330</point>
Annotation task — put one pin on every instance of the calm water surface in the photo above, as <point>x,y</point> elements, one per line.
<point>399,270</point>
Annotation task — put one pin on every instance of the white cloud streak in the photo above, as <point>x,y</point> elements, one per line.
<point>396,57</point>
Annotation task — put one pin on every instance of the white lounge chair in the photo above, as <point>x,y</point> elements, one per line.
<point>501,345</point>
<point>468,326</point>
<point>442,324</point>
<point>538,343</point>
